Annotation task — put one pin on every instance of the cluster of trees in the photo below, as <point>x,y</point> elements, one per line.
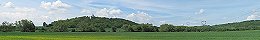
<point>140,28</point>
<point>22,25</point>
<point>7,27</point>
<point>102,24</point>
<point>172,28</point>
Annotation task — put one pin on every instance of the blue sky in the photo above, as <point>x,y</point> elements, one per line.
<point>176,12</point>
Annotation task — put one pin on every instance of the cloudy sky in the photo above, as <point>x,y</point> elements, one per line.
<point>177,12</point>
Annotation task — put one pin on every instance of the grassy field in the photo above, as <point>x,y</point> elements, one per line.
<point>239,35</point>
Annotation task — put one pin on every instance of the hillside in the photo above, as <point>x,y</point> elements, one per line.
<point>244,25</point>
<point>96,23</point>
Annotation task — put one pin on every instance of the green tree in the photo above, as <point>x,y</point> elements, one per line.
<point>166,28</point>
<point>61,26</point>
<point>136,28</point>
<point>7,27</point>
<point>127,28</point>
<point>113,29</point>
<point>44,24</point>
<point>85,27</point>
<point>148,28</point>
<point>25,25</point>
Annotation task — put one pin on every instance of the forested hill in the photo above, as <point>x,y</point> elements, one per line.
<point>95,23</point>
<point>92,20</point>
<point>236,26</point>
<point>244,25</point>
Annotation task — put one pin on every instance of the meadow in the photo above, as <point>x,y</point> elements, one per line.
<point>235,35</point>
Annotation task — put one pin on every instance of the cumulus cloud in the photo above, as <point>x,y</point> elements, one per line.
<point>105,12</point>
<point>18,14</point>
<point>139,17</point>
<point>254,16</point>
<point>55,7</point>
<point>11,13</point>
<point>8,5</point>
<point>108,12</point>
<point>33,14</point>
<point>86,11</point>
<point>25,10</point>
<point>46,5</point>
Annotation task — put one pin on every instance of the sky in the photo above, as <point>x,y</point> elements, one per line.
<point>157,12</point>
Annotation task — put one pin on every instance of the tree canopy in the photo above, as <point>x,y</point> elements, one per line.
<point>25,25</point>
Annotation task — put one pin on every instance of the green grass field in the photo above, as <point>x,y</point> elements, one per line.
<point>238,35</point>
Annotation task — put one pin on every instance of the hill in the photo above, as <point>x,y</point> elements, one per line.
<point>244,25</point>
<point>86,22</point>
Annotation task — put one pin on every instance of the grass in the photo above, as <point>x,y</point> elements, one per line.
<point>236,35</point>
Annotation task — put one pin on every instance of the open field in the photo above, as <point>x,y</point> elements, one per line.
<point>239,35</point>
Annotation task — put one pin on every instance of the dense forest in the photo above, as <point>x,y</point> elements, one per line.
<point>102,24</point>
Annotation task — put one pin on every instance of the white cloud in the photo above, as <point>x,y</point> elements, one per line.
<point>86,11</point>
<point>255,15</point>
<point>8,5</point>
<point>57,11</point>
<point>163,22</point>
<point>252,17</point>
<point>139,17</point>
<point>46,5</point>
<point>11,13</point>
<point>33,14</point>
<point>25,10</point>
<point>201,11</point>
<point>18,14</point>
<point>60,4</point>
<point>55,7</point>
<point>110,13</point>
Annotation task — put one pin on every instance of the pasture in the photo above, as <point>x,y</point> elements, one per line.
<point>236,35</point>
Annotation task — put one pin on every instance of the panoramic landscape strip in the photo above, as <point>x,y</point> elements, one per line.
<point>102,24</point>
<point>101,28</point>
<point>129,19</point>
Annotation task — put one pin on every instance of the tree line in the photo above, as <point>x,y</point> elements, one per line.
<point>102,24</point>
<point>22,26</point>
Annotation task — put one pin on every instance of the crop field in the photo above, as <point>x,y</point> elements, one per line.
<point>236,35</point>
